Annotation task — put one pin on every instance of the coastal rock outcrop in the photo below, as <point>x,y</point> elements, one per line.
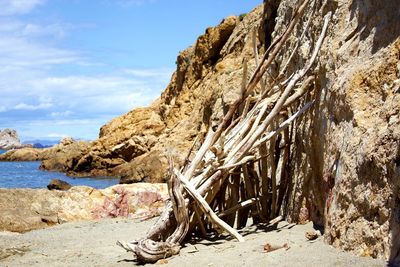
<point>9,139</point>
<point>345,161</point>
<point>23,154</point>
<point>62,157</point>
<point>57,184</point>
<point>28,209</point>
<point>135,145</point>
<point>58,156</point>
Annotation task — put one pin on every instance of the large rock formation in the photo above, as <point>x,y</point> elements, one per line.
<point>28,209</point>
<point>135,146</point>
<point>59,156</point>
<point>345,162</point>
<point>9,139</point>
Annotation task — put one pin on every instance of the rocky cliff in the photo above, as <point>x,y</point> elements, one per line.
<point>134,146</point>
<point>9,139</point>
<point>345,161</point>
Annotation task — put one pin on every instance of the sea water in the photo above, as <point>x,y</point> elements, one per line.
<point>26,174</point>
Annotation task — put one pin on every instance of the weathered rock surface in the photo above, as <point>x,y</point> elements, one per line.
<point>23,154</point>
<point>9,139</point>
<point>62,156</point>
<point>345,161</point>
<point>58,156</point>
<point>27,209</point>
<point>57,184</point>
<point>134,146</point>
<point>346,153</point>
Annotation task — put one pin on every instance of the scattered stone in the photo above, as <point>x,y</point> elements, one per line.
<point>57,184</point>
<point>272,247</point>
<point>312,235</point>
<point>162,261</point>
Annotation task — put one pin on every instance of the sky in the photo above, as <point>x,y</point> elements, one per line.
<point>69,66</point>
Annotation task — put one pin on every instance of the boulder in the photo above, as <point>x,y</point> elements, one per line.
<point>9,139</point>
<point>57,158</point>
<point>62,157</point>
<point>23,154</point>
<point>28,209</point>
<point>56,184</point>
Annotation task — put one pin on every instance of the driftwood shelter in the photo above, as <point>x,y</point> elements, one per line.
<point>241,169</point>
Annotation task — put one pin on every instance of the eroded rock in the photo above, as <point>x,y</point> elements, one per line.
<point>345,161</point>
<point>27,209</point>
<point>135,145</point>
<point>57,184</point>
<point>9,139</point>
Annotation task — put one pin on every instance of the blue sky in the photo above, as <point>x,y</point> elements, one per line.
<point>69,66</point>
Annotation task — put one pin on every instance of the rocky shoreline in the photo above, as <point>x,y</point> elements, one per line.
<point>344,164</point>
<point>9,140</point>
<point>24,210</point>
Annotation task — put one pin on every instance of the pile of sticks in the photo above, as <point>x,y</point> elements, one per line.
<point>241,168</point>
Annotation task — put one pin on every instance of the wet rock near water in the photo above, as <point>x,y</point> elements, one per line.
<point>57,184</point>
<point>59,156</point>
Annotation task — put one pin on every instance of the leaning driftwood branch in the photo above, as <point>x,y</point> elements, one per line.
<point>206,208</point>
<point>147,250</point>
<point>234,174</point>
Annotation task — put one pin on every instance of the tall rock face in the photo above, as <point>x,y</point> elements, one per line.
<point>9,139</point>
<point>346,157</point>
<point>345,161</point>
<point>135,145</point>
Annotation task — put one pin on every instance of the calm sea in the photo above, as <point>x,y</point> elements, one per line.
<point>26,174</point>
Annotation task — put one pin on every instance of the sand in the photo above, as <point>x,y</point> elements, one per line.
<point>92,243</point>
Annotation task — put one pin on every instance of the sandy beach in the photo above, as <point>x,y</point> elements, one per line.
<point>92,243</point>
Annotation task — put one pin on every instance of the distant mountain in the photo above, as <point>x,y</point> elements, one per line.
<point>41,143</point>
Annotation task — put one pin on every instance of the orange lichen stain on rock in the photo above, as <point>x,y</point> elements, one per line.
<point>367,252</point>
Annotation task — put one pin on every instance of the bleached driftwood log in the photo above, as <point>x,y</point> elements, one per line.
<point>234,172</point>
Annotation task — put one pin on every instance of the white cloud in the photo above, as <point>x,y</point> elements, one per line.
<point>20,52</point>
<point>37,98</point>
<point>113,93</point>
<point>56,135</point>
<point>57,30</point>
<point>148,73</point>
<point>10,26</point>
<point>61,114</point>
<point>23,106</point>
<point>16,7</point>
<point>78,105</point>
